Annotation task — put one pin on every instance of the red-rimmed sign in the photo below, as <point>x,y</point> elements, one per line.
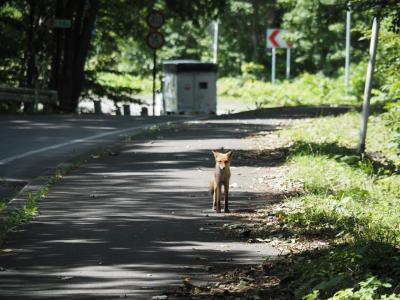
<point>155,40</point>
<point>276,39</point>
<point>155,19</point>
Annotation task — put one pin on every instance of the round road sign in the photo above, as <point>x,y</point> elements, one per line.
<point>155,39</point>
<point>155,19</point>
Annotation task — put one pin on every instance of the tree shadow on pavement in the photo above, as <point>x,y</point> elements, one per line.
<point>135,222</point>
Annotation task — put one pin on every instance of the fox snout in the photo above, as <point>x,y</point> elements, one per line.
<point>222,166</point>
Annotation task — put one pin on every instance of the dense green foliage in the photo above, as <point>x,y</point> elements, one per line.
<point>116,45</point>
<point>306,89</point>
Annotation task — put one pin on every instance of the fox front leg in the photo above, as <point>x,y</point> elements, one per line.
<point>214,206</point>
<point>217,198</point>
<point>226,192</point>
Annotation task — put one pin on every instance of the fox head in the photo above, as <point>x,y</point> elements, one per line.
<point>223,160</point>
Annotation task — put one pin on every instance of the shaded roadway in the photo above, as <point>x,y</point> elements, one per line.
<point>33,145</point>
<point>132,224</point>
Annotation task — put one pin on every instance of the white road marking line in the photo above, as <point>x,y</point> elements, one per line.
<point>76,141</point>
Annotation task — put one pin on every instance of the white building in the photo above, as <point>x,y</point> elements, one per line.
<point>189,87</point>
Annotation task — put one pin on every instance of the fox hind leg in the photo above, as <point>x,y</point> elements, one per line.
<point>214,206</point>
<point>212,192</point>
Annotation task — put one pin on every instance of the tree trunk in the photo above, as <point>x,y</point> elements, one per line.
<point>57,55</point>
<point>83,49</point>
<point>71,51</point>
<point>254,31</point>
<point>31,73</point>
<point>66,80</point>
<point>31,66</point>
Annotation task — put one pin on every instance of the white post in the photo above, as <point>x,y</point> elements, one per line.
<point>347,63</point>
<point>368,85</point>
<point>215,42</point>
<point>273,65</point>
<point>288,63</point>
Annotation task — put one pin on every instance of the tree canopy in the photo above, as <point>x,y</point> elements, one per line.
<point>108,37</point>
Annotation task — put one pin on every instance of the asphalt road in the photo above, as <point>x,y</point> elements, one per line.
<point>32,144</point>
<point>133,224</point>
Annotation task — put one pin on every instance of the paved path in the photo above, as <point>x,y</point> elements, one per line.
<point>132,224</point>
<point>30,144</point>
<point>33,145</point>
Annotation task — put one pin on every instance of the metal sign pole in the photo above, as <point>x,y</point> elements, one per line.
<point>347,63</point>
<point>155,40</point>
<point>368,84</point>
<point>154,81</point>
<point>273,65</point>
<point>215,42</point>
<point>288,63</point>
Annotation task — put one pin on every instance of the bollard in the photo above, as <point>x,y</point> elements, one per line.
<point>145,111</point>
<point>127,109</point>
<point>29,107</point>
<point>97,107</point>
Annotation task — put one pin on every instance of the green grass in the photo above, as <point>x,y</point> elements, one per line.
<point>29,210</point>
<point>2,204</point>
<point>154,129</point>
<point>346,273</point>
<point>143,84</point>
<point>349,197</point>
<point>356,200</point>
<point>306,89</point>
<point>343,131</point>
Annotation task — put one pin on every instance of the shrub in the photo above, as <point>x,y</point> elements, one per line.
<point>252,71</point>
<point>307,89</point>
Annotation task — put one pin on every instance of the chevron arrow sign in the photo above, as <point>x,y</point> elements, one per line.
<point>275,38</point>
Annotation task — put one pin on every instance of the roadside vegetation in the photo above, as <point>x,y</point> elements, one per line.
<point>18,215</point>
<point>354,202</point>
<point>306,89</point>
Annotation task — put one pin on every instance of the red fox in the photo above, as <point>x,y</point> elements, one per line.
<point>221,176</point>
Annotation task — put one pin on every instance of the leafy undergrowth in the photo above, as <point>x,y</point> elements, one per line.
<point>338,136</point>
<point>337,228</point>
<point>306,89</point>
<point>355,199</point>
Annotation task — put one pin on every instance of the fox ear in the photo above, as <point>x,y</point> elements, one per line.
<point>230,155</point>
<point>215,152</point>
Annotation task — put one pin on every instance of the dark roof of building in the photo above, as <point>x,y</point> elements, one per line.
<point>187,65</point>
